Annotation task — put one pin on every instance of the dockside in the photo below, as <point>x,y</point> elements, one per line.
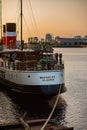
<point>33,125</point>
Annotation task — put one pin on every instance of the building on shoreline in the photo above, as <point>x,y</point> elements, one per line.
<point>75,41</point>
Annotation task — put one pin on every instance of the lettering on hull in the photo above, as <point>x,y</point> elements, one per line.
<point>47,78</point>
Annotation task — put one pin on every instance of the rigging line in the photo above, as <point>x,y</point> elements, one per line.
<point>1,17</point>
<point>4,8</point>
<point>18,19</point>
<point>18,27</point>
<point>33,18</point>
<point>18,22</point>
<point>28,29</point>
<point>17,11</point>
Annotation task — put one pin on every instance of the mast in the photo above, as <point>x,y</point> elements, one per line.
<point>1,18</point>
<point>21,27</point>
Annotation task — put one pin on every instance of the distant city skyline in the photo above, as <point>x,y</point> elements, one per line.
<point>64,18</point>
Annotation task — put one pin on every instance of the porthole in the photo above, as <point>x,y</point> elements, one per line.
<point>28,76</point>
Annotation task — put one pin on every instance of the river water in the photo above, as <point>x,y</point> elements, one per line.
<point>71,109</point>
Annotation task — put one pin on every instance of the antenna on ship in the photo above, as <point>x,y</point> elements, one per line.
<point>22,42</point>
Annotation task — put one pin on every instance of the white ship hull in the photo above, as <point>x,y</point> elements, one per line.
<point>45,82</point>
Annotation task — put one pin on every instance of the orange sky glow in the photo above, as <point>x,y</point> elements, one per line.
<point>64,18</point>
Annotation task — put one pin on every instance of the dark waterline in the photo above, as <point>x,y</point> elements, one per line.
<point>71,109</point>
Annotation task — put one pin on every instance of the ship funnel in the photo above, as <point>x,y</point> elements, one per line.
<point>10,35</point>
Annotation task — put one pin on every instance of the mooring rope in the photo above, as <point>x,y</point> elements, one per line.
<point>26,126</point>
<point>50,115</point>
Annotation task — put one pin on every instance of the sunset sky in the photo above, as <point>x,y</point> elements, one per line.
<point>64,18</point>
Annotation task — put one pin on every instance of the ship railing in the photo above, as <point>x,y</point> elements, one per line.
<point>27,65</point>
<point>33,65</point>
<point>59,66</point>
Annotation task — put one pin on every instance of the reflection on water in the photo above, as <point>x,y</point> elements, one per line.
<point>7,109</point>
<point>71,109</point>
<point>15,107</point>
<point>76,82</point>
